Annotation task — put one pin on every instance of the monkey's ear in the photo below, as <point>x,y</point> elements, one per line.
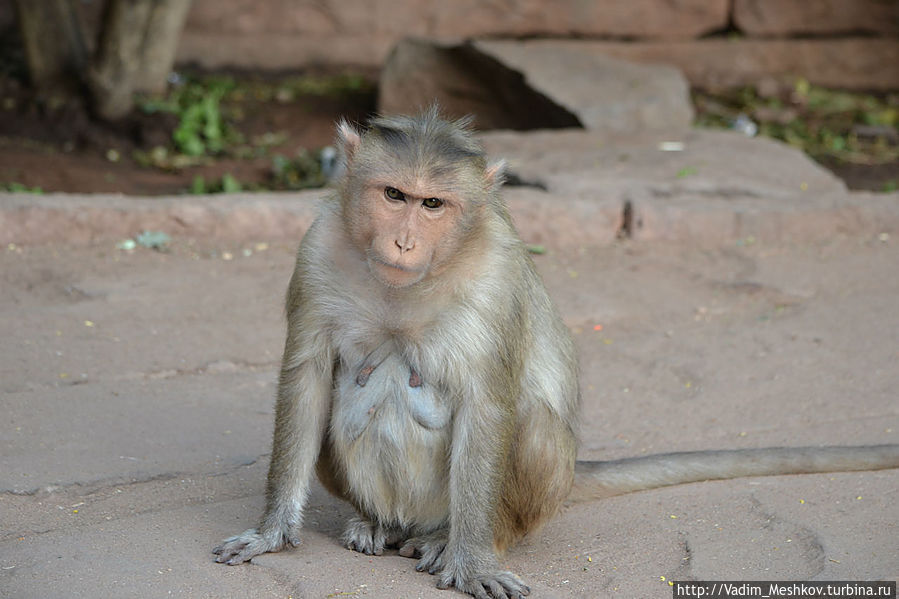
<point>495,174</point>
<point>348,139</point>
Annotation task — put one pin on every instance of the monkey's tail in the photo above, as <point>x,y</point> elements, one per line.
<point>594,480</point>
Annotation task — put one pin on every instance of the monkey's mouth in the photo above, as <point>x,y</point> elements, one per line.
<point>400,267</point>
<point>379,261</point>
<point>393,274</point>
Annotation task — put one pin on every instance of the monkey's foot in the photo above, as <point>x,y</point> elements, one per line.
<point>250,543</point>
<point>429,548</point>
<point>483,585</point>
<point>365,537</point>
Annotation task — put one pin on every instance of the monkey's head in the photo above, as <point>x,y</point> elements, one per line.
<point>414,194</point>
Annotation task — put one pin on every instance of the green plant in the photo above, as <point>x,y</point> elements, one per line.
<point>302,172</point>
<point>826,124</point>
<point>14,187</point>
<point>227,184</point>
<point>202,128</point>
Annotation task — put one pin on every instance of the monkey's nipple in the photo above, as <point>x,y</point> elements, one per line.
<point>364,374</point>
<point>414,378</point>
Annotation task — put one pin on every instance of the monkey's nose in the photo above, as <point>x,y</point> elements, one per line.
<point>405,245</point>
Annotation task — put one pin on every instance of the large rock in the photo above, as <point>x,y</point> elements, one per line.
<point>667,19</point>
<point>606,94</point>
<point>720,186</point>
<point>280,34</point>
<point>821,17</point>
<point>848,63</point>
<point>465,80</point>
<point>534,85</point>
<point>636,18</point>
<point>707,163</point>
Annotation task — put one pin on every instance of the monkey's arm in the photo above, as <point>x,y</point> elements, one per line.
<point>301,416</point>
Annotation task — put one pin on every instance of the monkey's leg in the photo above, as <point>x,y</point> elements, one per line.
<point>368,537</point>
<point>428,548</point>
<point>468,562</point>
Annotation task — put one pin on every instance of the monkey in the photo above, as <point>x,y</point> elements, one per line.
<point>429,380</point>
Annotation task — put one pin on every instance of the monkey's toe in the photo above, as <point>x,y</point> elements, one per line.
<point>365,537</point>
<point>428,548</point>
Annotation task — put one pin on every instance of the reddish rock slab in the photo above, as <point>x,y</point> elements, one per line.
<point>821,17</point>
<point>849,63</point>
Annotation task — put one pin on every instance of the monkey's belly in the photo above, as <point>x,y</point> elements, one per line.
<point>392,441</point>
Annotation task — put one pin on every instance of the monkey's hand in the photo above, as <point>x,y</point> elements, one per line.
<point>480,578</point>
<point>250,543</point>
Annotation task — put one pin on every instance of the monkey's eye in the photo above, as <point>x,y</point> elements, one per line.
<point>393,193</point>
<point>432,203</point>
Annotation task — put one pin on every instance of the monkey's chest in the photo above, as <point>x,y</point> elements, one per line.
<point>390,433</point>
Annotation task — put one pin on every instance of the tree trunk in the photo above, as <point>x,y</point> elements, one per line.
<point>160,43</point>
<point>54,45</point>
<point>112,73</point>
<point>135,52</point>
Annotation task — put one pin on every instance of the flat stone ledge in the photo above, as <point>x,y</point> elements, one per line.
<point>543,218</point>
<point>82,218</point>
<point>583,189</point>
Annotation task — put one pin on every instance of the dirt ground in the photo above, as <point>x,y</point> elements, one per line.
<point>138,394</point>
<point>63,149</point>
<point>138,386</point>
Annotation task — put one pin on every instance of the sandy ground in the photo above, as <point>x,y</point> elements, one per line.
<point>137,387</point>
<point>138,391</point>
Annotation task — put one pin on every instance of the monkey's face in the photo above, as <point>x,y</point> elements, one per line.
<point>413,197</point>
<point>407,231</point>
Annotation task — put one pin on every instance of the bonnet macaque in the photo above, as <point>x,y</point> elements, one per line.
<point>428,379</point>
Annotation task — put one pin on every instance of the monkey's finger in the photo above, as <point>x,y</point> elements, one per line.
<point>496,589</point>
<point>226,557</point>
<point>244,556</point>
<point>481,593</point>
<point>514,586</point>
<point>478,591</point>
<point>226,551</point>
<point>433,558</point>
<point>475,589</point>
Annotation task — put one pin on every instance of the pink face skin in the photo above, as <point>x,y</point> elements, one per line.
<point>407,232</point>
